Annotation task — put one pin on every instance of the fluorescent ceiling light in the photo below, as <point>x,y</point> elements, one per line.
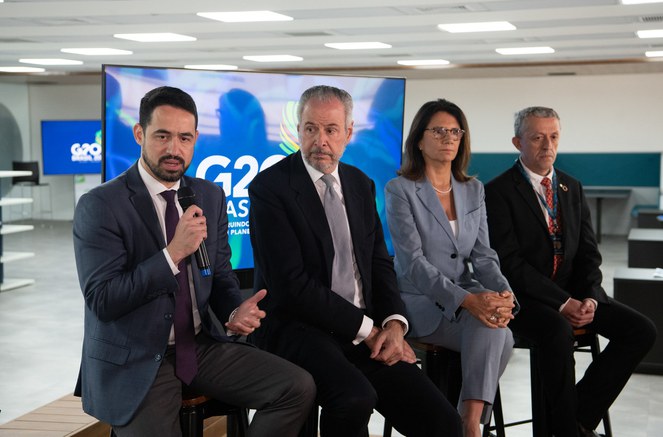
<point>273,58</point>
<point>154,37</point>
<point>423,62</point>
<point>211,67</point>
<point>525,50</point>
<point>358,45</point>
<point>50,61</point>
<point>654,54</point>
<point>654,33</point>
<point>21,70</point>
<point>244,16</point>
<point>489,26</point>
<point>639,2</point>
<point>97,51</point>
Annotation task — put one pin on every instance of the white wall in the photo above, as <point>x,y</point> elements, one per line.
<point>611,113</point>
<point>58,102</point>
<point>603,113</point>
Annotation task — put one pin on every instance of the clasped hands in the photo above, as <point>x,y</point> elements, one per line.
<point>492,308</point>
<point>388,344</point>
<point>579,313</point>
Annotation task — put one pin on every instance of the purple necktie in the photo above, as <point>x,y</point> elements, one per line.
<point>186,365</point>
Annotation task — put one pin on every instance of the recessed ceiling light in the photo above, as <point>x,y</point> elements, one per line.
<point>358,45</point>
<point>273,58</point>
<point>97,51</point>
<point>22,70</point>
<point>525,50</point>
<point>654,33</point>
<point>423,62</point>
<point>639,2</point>
<point>244,16</point>
<point>211,67</point>
<point>489,26</point>
<point>154,37</point>
<point>654,54</point>
<point>50,61</point>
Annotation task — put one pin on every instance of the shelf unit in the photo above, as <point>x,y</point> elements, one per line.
<point>6,229</point>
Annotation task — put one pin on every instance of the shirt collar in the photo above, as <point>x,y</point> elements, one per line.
<point>535,177</point>
<point>154,187</point>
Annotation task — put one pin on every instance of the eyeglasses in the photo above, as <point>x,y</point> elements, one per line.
<point>440,132</point>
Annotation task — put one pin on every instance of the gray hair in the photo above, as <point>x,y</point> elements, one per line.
<point>326,93</point>
<point>532,111</point>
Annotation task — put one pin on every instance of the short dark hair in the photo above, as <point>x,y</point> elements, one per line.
<point>326,93</point>
<point>165,95</point>
<point>414,164</point>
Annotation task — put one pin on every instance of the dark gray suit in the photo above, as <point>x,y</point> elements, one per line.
<point>129,292</point>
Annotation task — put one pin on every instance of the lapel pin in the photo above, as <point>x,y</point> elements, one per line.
<point>563,187</point>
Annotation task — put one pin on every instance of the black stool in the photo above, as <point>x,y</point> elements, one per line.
<point>585,341</point>
<point>196,408</point>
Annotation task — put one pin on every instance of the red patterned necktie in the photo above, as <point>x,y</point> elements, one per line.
<point>558,257</point>
<point>186,363</point>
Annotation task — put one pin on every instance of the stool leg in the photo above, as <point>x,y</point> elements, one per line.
<point>191,422</point>
<point>596,350</point>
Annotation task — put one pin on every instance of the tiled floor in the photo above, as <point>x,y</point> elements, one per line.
<point>41,331</point>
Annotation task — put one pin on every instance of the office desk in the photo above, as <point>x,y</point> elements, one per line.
<point>639,289</point>
<point>645,248</point>
<point>650,218</point>
<point>599,193</point>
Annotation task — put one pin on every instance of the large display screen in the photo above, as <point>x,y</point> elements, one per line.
<point>247,122</point>
<point>71,147</point>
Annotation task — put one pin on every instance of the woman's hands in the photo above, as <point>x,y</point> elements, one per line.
<point>492,308</point>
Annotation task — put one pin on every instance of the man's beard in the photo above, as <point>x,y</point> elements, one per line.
<point>165,175</point>
<point>323,167</point>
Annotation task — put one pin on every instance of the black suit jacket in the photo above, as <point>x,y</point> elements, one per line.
<point>293,251</point>
<point>129,289</point>
<point>519,234</point>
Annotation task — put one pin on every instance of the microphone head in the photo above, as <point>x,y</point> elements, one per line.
<point>186,196</point>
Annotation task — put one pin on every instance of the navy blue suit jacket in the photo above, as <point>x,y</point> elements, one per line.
<point>129,289</point>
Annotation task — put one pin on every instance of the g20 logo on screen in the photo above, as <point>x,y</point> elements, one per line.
<point>235,183</point>
<point>86,152</point>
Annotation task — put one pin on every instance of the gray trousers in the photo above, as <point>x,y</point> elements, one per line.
<point>484,354</point>
<point>281,393</point>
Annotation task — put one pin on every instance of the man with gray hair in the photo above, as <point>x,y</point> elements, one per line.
<point>334,305</point>
<point>541,229</point>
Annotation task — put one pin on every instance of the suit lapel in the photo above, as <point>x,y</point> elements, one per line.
<point>311,207</point>
<point>524,188</point>
<point>564,197</point>
<point>141,200</point>
<point>429,200</point>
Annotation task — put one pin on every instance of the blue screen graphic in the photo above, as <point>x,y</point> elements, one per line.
<point>247,122</point>
<point>71,147</point>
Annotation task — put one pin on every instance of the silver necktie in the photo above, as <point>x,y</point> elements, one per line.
<point>343,277</point>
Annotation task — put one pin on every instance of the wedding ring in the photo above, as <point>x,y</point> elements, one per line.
<point>492,318</point>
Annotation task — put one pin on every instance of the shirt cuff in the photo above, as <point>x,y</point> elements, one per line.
<point>364,330</point>
<point>173,266</point>
<point>400,319</point>
<point>230,332</point>
<point>561,307</point>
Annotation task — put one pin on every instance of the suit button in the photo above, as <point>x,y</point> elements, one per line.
<point>454,256</point>
<point>157,357</point>
<point>168,316</point>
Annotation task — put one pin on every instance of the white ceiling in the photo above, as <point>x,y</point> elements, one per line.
<point>589,36</point>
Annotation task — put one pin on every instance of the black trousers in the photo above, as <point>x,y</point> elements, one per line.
<point>630,336</point>
<point>350,385</point>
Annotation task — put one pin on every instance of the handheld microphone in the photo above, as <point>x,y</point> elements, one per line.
<point>187,197</point>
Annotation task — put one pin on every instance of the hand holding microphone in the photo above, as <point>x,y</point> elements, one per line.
<point>187,198</point>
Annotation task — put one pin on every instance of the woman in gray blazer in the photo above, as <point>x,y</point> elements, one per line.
<point>449,277</point>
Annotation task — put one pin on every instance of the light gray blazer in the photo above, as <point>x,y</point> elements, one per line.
<point>436,269</point>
